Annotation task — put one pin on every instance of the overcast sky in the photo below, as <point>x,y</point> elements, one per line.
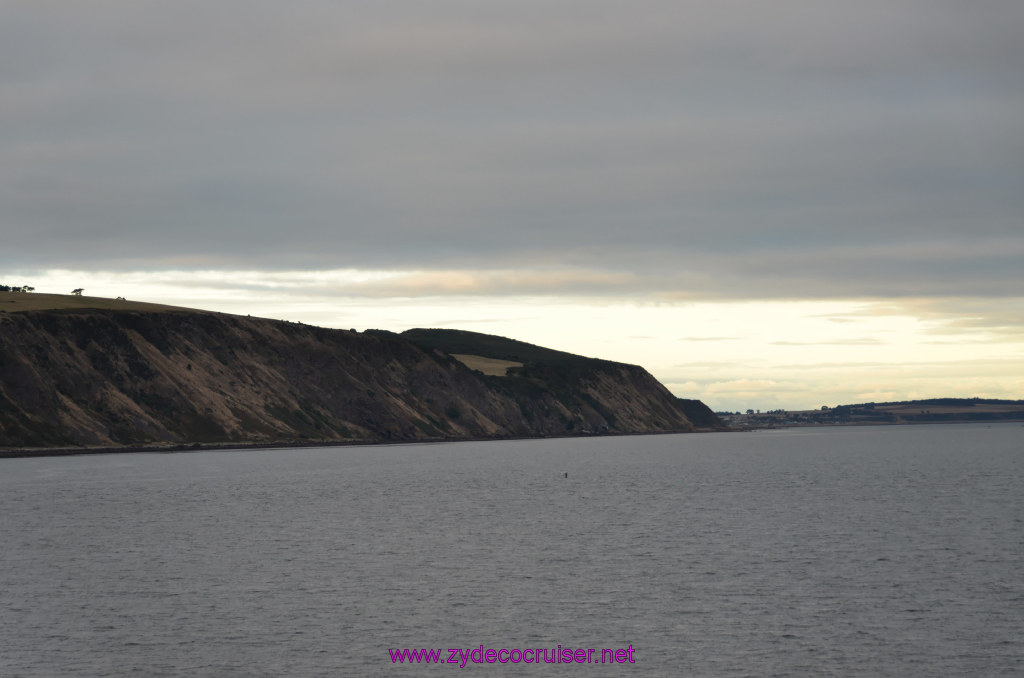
<point>792,202</point>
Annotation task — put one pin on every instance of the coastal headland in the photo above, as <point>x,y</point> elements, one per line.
<point>82,374</point>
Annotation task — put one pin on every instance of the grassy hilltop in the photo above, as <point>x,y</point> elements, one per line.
<point>14,302</point>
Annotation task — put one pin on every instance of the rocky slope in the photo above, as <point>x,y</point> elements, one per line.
<point>113,378</point>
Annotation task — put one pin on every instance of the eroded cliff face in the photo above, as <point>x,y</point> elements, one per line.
<point>110,378</point>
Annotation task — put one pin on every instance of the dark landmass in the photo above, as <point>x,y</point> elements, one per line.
<point>490,346</point>
<point>557,369</point>
<point>930,411</point>
<point>702,416</point>
<point>75,378</point>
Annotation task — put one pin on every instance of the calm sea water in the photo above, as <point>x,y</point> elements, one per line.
<point>888,551</point>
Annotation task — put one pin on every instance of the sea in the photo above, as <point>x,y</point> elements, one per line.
<point>843,551</point>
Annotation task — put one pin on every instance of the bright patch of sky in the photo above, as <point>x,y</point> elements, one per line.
<point>733,355</point>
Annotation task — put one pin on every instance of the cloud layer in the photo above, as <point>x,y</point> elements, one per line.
<point>683,149</point>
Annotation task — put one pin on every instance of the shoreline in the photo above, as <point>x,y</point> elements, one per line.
<point>30,452</point>
<point>27,452</point>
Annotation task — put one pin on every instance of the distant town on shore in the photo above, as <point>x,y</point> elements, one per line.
<point>930,411</point>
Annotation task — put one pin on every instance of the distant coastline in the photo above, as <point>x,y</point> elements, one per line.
<point>927,411</point>
<point>986,411</point>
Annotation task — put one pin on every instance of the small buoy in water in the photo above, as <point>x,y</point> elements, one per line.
<point>566,474</point>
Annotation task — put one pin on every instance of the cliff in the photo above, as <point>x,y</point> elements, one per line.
<point>107,377</point>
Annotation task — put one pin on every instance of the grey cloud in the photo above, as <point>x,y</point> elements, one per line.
<point>692,149</point>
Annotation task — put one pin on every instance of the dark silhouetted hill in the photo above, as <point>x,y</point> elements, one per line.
<point>107,377</point>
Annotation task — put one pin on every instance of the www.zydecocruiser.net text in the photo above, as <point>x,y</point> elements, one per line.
<point>530,655</point>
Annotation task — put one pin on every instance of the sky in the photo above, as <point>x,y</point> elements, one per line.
<point>768,205</point>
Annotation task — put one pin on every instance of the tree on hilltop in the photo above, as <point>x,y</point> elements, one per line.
<point>77,292</point>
